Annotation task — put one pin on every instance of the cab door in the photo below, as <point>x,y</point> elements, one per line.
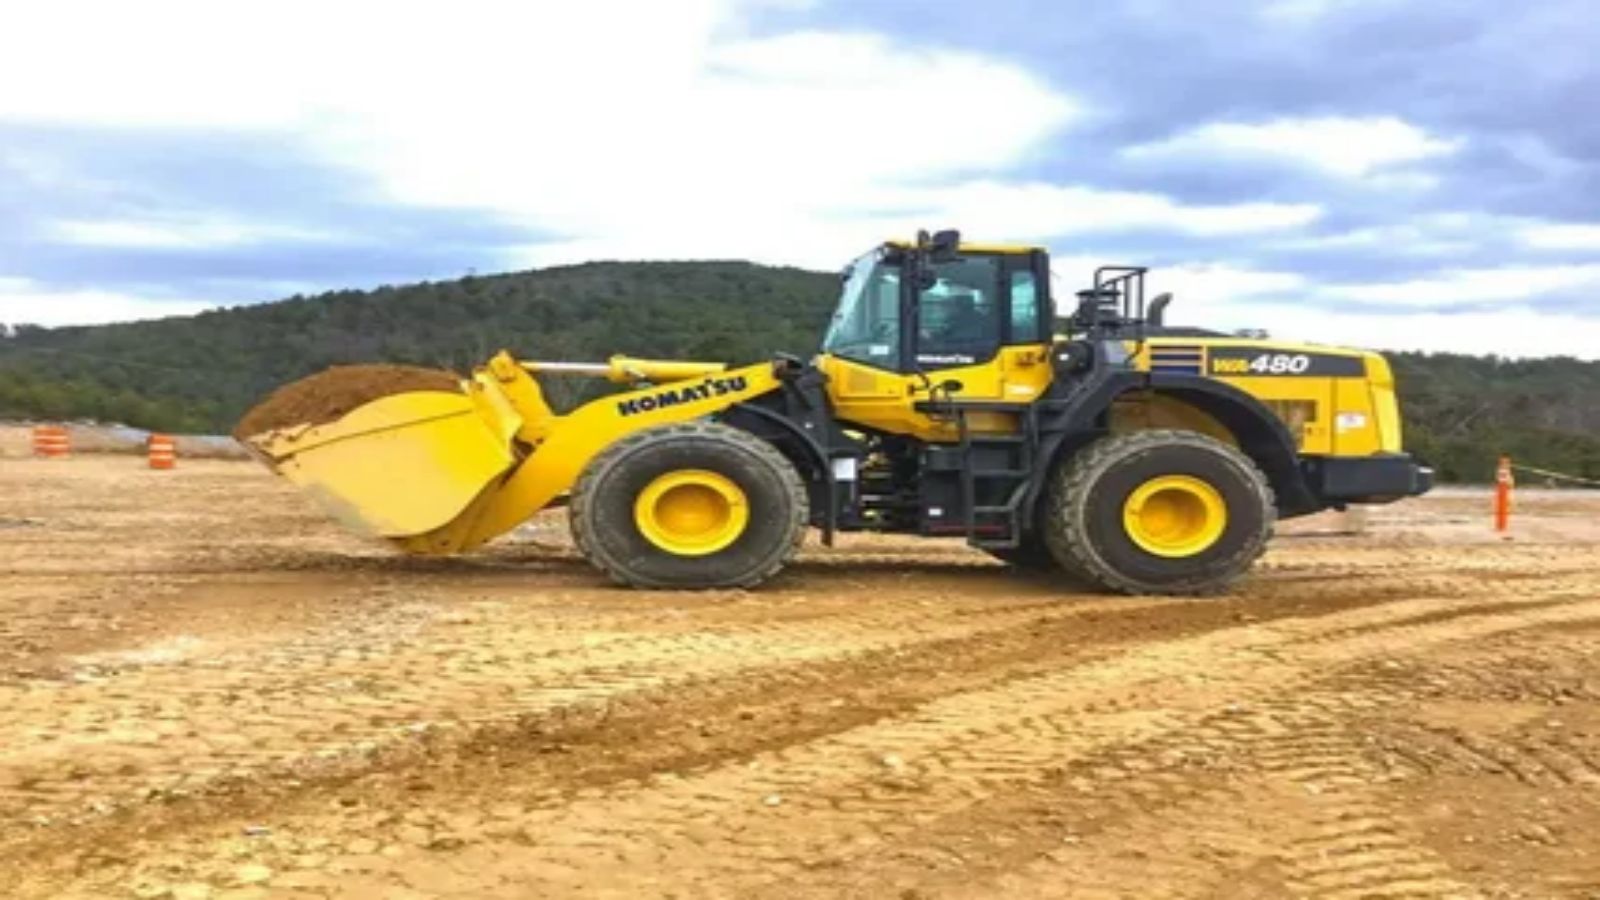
<point>982,329</point>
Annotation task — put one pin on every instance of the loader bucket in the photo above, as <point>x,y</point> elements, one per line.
<point>398,466</point>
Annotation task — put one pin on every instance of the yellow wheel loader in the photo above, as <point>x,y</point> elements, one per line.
<point>950,398</point>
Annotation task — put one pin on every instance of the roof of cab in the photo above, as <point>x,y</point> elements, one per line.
<point>969,247</point>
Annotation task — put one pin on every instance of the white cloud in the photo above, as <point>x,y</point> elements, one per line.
<point>173,233</point>
<point>1429,235</point>
<point>985,210</point>
<point>773,145</point>
<point>1515,330</point>
<point>1296,11</point>
<point>549,112</point>
<point>669,130</point>
<point>1548,236</point>
<point>1456,235</point>
<point>1292,308</point>
<point>637,129</point>
<point>1221,282</point>
<point>1343,146</point>
<point>25,302</point>
<point>1508,284</point>
<point>1310,12</point>
<point>1036,211</point>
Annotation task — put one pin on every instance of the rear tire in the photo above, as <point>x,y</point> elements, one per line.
<point>754,546</point>
<point>1227,508</point>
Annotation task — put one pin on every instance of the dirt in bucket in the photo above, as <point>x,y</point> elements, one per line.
<point>330,394</point>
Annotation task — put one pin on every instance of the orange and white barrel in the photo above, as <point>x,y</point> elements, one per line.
<point>51,442</point>
<point>163,451</point>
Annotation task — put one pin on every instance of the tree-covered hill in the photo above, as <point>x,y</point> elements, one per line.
<point>202,372</point>
<point>199,373</point>
<point>1462,411</point>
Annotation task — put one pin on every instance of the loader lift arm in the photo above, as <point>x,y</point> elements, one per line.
<point>495,454</point>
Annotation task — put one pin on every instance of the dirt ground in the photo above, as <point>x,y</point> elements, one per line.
<point>210,691</point>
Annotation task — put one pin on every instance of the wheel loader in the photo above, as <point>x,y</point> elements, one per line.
<point>952,396</point>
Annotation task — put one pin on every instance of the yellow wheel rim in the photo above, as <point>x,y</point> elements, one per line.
<point>691,512</point>
<point>1174,515</point>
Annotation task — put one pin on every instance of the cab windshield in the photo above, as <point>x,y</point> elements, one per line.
<point>866,327</point>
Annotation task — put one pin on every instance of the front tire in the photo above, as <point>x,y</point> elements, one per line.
<point>702,505</point>
<point>1159,512</point>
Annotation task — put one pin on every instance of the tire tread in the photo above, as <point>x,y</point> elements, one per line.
<point>1075,476</point>
<point>583,495</point>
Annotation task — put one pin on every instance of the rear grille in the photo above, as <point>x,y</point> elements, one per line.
<point>1178,360</point>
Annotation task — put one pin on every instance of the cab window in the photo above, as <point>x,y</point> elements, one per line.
<point>1025,319</point>
<point>958,318</point>
<point>866,327</point>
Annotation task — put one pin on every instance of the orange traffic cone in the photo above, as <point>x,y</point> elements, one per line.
<point>1503,483</point>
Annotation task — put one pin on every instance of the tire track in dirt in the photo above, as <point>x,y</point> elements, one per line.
<point>1220,739</point>
<point>585,747</point>
<point>1362,849</point>
<point>1353,845</point>
<point>539,755</point>
<point>1282,784</point>
<point>1327,829</point>
<point>1413,572</point>
<point>335,701</point>
<point>733,829</point>
<point>1511,724</point>
<point>1274,783</point>
<point>1549,763</point>
<point>973,744</point>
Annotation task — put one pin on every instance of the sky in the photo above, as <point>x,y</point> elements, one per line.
<point>1406,175</point>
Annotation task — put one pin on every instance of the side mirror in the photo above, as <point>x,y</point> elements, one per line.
<point>943,246</point>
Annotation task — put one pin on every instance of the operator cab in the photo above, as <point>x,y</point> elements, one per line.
<point>918,308</point>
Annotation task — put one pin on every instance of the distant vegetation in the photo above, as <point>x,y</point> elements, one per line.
<point>1462,411</point>
<point>199,373</point>
<point>202,372</point>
